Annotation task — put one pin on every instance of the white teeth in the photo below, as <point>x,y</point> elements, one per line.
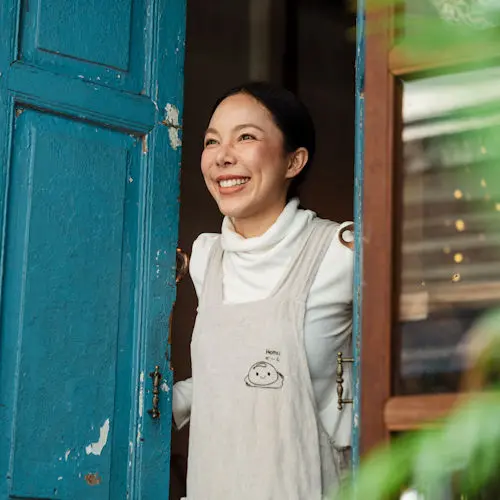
<point>232,182</point>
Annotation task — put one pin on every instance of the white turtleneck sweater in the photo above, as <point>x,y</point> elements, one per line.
<point>251,270</point>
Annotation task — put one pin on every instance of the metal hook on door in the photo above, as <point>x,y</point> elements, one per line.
<point>182,265</point>
<point>340,380</point>
<point>346,243</point>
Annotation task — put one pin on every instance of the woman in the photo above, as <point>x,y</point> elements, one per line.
<point>275,291</point>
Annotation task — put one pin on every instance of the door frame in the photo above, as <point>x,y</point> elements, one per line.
<point>359,156</point>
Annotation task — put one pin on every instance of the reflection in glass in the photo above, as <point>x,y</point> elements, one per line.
<point>449,226</point>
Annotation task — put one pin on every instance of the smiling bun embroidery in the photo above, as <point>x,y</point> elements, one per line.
<point>265,376</point>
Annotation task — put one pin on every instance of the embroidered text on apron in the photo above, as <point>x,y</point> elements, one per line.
<point>254,432</point>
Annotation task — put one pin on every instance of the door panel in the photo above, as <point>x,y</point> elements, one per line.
<point>67,264</point>
<point>90,141</point>
<point>99,41</point>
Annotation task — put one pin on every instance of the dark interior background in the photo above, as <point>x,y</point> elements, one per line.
<point>310,49</point>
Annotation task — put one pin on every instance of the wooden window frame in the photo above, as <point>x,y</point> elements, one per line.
<point>380,411</point>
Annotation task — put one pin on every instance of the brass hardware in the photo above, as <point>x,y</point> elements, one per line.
<point>348,244</point>
<point>182,265</point>
<point>340,380</point>
<point>156,376</point>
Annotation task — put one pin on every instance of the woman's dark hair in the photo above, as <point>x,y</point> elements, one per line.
<point>289,114</point>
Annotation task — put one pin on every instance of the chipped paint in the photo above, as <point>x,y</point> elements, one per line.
<point>141,394</point>
<point>164,386</point>
<point>173,135</point>
<point>97,447</point>
<point>145,144</point>
<point>157,259</point>
<point>92,479</point>
<point>66,455</point>
<point>172,122</point>
<point>130,453</point>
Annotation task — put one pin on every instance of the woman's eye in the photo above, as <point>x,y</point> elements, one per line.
<point>210,142</point>
<point>247,137</point>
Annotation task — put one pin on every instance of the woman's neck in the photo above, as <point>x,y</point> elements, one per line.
<point>258,224</point>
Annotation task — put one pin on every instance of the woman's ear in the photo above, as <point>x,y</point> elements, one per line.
<point>298,160</point>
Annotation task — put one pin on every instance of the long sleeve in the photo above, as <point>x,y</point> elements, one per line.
<point>328,329</point>
<point>181,402</point>
<point>183,390</point>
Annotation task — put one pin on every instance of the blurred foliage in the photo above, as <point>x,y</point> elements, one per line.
<point>462,449</point>
<point>427,27</point>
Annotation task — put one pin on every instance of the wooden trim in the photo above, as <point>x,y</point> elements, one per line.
<point>406,413</point>
<point>377,236</point>
<point>397,217</point>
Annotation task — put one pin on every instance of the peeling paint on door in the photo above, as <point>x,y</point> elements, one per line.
<point>172,122</point>
<point>141,394</point>
<point>97,447</point>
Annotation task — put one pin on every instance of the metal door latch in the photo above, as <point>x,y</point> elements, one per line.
<point>340,380</point>
<point>156,377</point>
<point>182,265</point>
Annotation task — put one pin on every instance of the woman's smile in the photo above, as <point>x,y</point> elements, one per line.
<point>230,184</point>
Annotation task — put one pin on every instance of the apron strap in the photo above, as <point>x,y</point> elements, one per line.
<point>298,280</point>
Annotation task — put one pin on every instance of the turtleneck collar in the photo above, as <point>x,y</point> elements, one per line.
<point>290,222</point>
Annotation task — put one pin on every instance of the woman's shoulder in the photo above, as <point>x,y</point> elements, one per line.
<point>334,279</point>
<point>338,262</point>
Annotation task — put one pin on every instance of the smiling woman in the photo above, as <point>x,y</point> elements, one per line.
<point>258,143</point>
<point>275,292</point>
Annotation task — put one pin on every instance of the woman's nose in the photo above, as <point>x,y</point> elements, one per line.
<point>225,156</point>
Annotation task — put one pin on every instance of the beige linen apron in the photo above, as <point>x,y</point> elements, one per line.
<point>254,432</point>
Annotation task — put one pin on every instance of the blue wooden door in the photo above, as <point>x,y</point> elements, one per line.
<point>90,112</point>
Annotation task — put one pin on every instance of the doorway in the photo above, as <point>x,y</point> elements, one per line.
<point>305,45</point>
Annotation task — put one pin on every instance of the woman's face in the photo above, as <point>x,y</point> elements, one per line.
<point>244,162</point>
